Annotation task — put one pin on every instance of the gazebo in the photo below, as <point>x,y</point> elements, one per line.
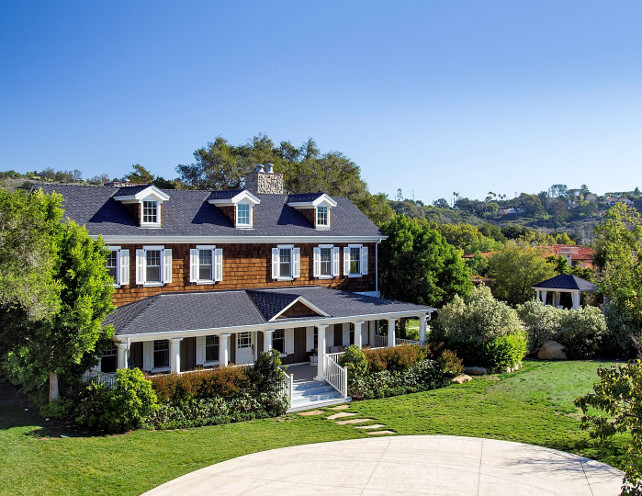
<point>564,284</point>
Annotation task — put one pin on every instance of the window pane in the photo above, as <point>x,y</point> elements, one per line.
<point>161,353</point>
<point>153,268</point>
<point>355,262</point>
<point>284,262</point>
<point>244,340</point>
<point>211,348</point>
<point>243,214</point>
<point>322,216</point>
<point>149,212</point>
<point>112,264</point>
<point>278,340</point>
<point>205,265</point>
<point>326,261</point>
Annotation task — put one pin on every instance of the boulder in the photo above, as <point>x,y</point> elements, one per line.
<point>552,350</point>
<point>475,371</point>
<point>460,379</point>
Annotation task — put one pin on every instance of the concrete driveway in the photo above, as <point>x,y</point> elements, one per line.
<point>436,465</point>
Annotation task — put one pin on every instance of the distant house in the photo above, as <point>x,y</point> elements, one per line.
<point>612,200</point>
<point>512,211</point>
<point>576,256</point>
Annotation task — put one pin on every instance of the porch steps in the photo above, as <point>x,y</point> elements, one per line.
<point>308,394</point>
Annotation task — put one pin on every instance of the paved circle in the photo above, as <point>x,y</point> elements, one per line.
<point>436,465</point>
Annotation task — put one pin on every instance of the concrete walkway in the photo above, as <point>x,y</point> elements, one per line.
<point>437,465</point>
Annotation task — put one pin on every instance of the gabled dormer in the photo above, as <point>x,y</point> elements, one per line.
<point>145,203</point>
<point>315,207</point>
<point>236,205</point>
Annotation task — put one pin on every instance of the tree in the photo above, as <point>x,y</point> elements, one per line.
<point>516,268</point>
<point>69,340</point>
<point>27,254</point>
<point>139,175</point>
<point>619,395</point>
<point>418,265</point>
<point>619,241</point>
<point>441,203</point>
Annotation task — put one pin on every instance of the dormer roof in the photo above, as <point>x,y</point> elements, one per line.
<point>139,193</point>
<point>232,197</point>
<point>310,200</point>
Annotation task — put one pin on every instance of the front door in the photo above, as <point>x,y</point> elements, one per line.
<point>244,348</point>
<point>300,355</point>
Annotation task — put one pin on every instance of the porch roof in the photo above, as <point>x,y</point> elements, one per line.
<point>566,282</point>
<point>210,310</point>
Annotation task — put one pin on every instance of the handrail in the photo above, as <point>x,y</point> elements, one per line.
<point>335,356</point>
<point>380,341</point>
<point>336,375</point>
<point>400,341</point>
<point>99,377</point>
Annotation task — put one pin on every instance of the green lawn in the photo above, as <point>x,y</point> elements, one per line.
<point>533,405</point>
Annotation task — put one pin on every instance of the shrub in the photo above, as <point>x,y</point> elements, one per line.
<point>542,323</point>
<point>265,375</point>
<point>396,358</point>
<point>451,364</point>
<point>504,352</point>
<point>472,327</point>
<point>621,329</point>
<point>122,408</point>
<point>354,359</point>
<point>422,376</point>
<point>582,331</point>
<point>176,388</point>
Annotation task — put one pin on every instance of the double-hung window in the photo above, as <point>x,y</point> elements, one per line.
<point>161,354</point>
<point>286,262</point>
<point>325,261</point>
<point>117,262</point>
<point>323,217</point>
<point>355,260</point>
<point>153,266</point>
<point>243,215</point>
<point>150,213</point>
<point>206,264</point>
<point>211,349</point>
<point>278,340</point>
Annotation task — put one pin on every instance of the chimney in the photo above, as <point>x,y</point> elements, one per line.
<point>264,180</point>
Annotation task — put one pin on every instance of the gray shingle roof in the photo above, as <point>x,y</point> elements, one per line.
<point>224,195</point>
<point>171,312</point>
<point>187,213</point>
<point>130,190</point>
<point>304,197</point>
<point>566,282</point>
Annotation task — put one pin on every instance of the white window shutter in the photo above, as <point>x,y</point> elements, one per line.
<point>296,262</point>
<point>140,266</point>
<point>316,256</point>
<point>193,266</point>
<point>200,350</point>
<point>335,262</point>
<point>123,267</point>
<point>309,338</point>
<point>148,354</point>
<point>275,263</point>
<point>167,266</point>
<point>346,261</point>
<point>218,264</point>
<point>364,261</point>
<point>289,341</point>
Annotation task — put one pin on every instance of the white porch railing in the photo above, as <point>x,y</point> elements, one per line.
<point>399,341</point>
<point>100,377</point>
<point>335,356</point>
<point>380,341</point>
<point>287,386</point>
<point>336,375</point>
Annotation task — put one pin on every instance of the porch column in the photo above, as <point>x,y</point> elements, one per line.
<point>223,349</point>
<point>175,355</point>
<point>422,329</point>
<point>556,299</point>
<point>391,332</point>
<point>122,355</point>
<point>321,353</point>
<point>267,339</point>
<point>575,297</point>
<point>372,330</point>
<point>358,330</point>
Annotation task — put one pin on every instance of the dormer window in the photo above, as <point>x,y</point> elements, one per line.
<point>322,217</point>
<point>236,205</point>
<point>243,215</point>
<point>144,202</point>
<point>150,212</point>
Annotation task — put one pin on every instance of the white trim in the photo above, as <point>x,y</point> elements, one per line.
<point>306,303</point>
<point>250,216</point>
<point>241,239</point>
<point>141,266</point>
<point>150,190</point>
<point>118,264</point>
<point>139,337</point>
<point>321,199</point>
<point>277,271</point>
<point>228,202</point>
<point>347,268</point>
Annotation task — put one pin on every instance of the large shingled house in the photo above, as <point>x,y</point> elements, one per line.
<point>209,278</point>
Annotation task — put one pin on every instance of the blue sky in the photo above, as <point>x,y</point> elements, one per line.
<point>430,96</point>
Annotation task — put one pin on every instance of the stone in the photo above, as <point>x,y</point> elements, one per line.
<point>311,412</point>
<point>552,350</point>
<point>369,427</point>
<point>381,433</point>
<point>460,379</point>
<point>339,407</point>
<point>475,371</point>
<point>341,415</point>
<point>353,421</point>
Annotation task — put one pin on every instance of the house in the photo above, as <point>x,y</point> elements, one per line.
<point>576,256</point>
<point>564,283</point>
<point>211,278</point>
<point>612,200</point>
